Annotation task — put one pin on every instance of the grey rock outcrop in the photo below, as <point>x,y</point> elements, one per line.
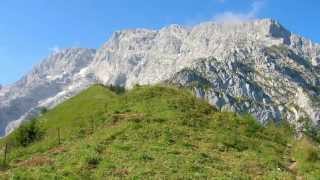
<point>256,67</point>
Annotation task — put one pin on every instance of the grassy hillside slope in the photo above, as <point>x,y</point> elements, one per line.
<point>156,132</point>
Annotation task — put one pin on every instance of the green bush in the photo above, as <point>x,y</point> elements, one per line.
<point>249,125</point>
<point>116,89</point>
<point>43,110</point>
<point>312,155</point>
<point>312,131</point>
<point>28,133</point>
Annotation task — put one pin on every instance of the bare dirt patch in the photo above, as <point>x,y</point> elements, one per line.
<point>57,150</point>
<point>36,161</point>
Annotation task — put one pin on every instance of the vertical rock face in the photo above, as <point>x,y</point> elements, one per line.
<point>49,83</point>
<point>145,56</point>
<point>255,67</point>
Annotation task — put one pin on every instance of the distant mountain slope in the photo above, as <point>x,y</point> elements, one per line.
<point>263,69</point>
<point>156,132</point>
<point>57,78</point>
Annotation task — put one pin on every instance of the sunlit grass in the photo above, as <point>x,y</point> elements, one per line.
<point>157,132</point>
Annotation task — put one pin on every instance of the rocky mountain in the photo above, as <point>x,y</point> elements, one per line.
<point>57,78</point>
<point>257,67</point>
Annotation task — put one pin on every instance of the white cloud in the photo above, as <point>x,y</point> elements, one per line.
<point>235,17</point>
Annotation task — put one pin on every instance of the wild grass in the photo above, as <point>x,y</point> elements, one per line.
<point>156,132</point>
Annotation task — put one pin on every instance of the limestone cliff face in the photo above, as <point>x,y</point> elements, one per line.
<point>256,67</point>
<point>145,56</point>
<point>54,80</point>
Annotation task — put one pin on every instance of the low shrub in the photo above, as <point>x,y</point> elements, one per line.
<point>312,155</point>
<point>117,89</point>
<point>312,131</point>
<point>43,110</point>
<point>28,133</point>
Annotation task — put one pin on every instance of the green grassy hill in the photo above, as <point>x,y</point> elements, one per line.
<point>154,132</point>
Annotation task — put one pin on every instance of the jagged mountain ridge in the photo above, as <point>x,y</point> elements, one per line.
<point>261,68</point>
<point>267,49</point>
<point>57,78</point>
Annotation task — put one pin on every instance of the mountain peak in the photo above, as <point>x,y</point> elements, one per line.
<point>277,30</point>
<point>251,61</point>
<point>261,27</point>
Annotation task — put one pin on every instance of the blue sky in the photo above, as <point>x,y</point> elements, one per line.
<point>30,30</point>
